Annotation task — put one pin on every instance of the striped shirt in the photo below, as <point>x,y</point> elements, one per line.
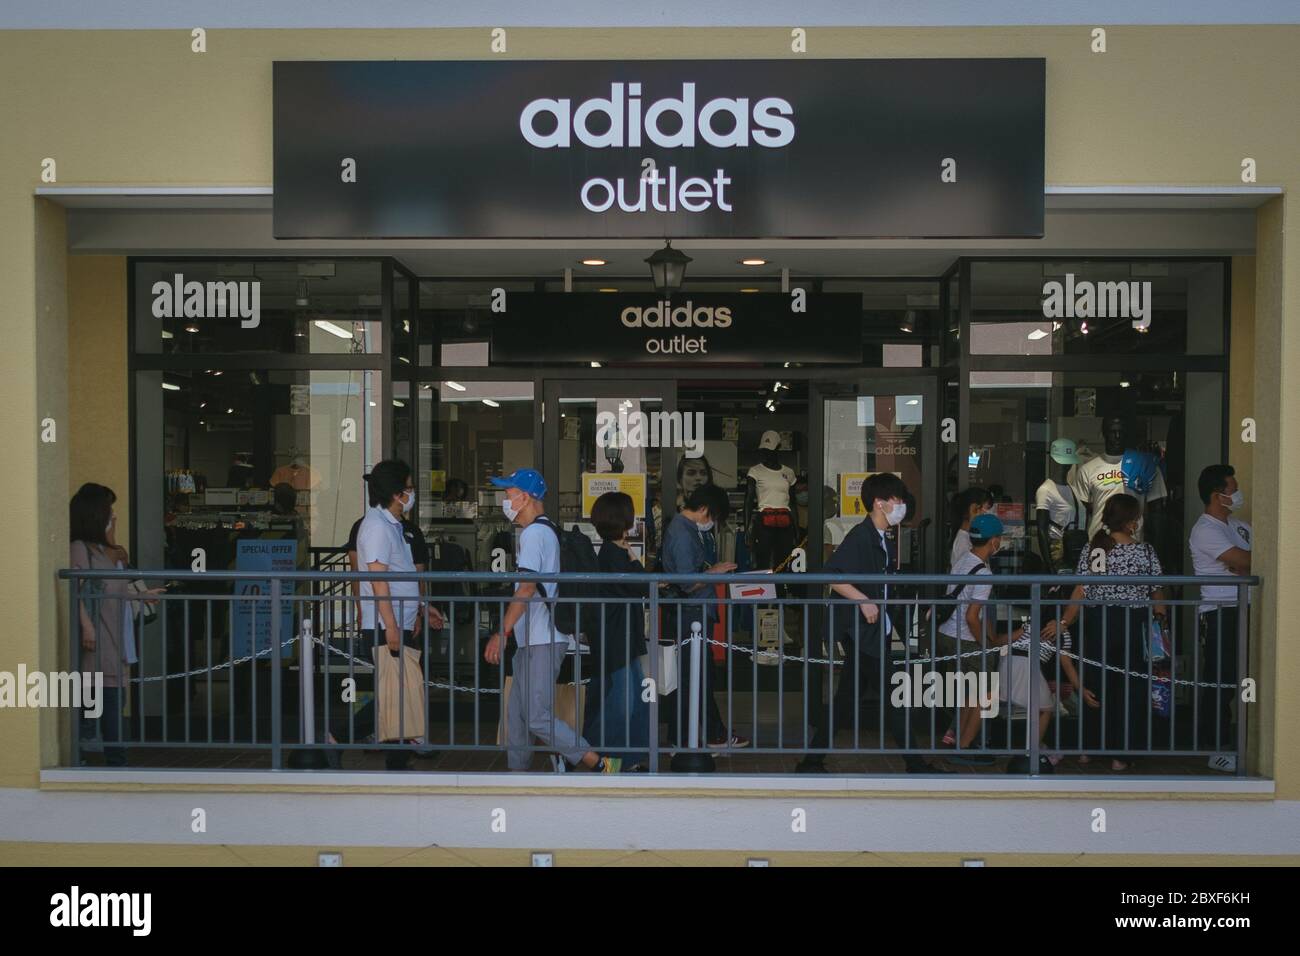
<point>1046,649</point>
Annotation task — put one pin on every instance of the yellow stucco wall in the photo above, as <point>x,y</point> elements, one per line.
<point>138,108</point>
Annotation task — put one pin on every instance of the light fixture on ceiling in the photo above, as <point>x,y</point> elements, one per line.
<point>753,261</point>
<point>909,322</point>
<point>455,386</point>
<point>217,371</point>
<point>607,289</point>
<point>171,387</point>
<point>398,404</point>
<point>748,290</point>
<point>301,299</point>
<point>593,262</point>
<point>491,404</point>
<point>252,377</point>
<point>403,358</point>
<point>595,365</point>
<point>203,404</point>
<point>912,401</point>
<point>167,335</point>
<point>1083,328</point>
<point>1037,334</point>
<point>372,404</point>
<point>668,269</point>
<point>191,327</point>
<point>1142,329</point>
<point>1125,384</point>
<point>326,326</point>
<point>230,411</point>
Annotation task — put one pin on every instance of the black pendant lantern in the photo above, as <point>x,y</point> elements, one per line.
<point>668,269</point>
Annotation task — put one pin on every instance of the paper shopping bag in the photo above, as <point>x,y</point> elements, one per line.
<point>401,695</point>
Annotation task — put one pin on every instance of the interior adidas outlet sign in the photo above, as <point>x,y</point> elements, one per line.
<point>648,149</point>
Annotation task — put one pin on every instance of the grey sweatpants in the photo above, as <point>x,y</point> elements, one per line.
<point>531,711</point>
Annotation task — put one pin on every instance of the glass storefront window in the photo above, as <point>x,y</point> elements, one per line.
<point>1014,421</point>
<point>1054,307</point>
<point>221,456</point>
<point>468,432</point>
<point>288,307</point>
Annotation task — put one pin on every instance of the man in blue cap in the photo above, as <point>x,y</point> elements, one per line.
<point>539,647</point>
<point>972,629</point>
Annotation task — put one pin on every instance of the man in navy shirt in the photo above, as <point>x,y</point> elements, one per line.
<point>863,627</point>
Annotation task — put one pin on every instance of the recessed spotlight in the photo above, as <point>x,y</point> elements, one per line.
<point>170,387</point>
<point>753,262</point>
<point>192,328</point>
<point>491,404</point>
<point>1124,384</point>
<point>455,385</point>
<point>593,262</point>
<point>230,411</point>
<point>595,365</point>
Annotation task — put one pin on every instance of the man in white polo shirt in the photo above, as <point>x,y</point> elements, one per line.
<point>1220,545</point>
<point>390,609</point>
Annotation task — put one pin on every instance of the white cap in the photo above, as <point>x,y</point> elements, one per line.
<point>770,440</point>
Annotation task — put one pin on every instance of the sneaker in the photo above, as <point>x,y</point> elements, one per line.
<point>611,765</point>
<point>558,765</point>
<point>1226,763</point>
<point>734,742</point>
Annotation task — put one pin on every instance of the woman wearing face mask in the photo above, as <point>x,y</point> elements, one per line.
<point>107,616</point>
<point>965,507</point>
<point>1115,630</point>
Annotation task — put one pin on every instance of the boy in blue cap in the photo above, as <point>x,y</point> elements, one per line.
<point>539,647</point>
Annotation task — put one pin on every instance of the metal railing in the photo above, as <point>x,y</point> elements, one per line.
<point>772,657</point>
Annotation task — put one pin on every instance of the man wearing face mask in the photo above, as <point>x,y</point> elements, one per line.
<point>389,609</point>
<point>1220,544</point>
<point>864,627</point>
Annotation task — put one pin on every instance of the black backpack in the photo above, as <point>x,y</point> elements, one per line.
<point>942,613</point>
<point>577,556</point>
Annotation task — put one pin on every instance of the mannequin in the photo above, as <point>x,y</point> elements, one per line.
<point>1121,469</point>
<point>1057,508</point>
<point>770,525</point>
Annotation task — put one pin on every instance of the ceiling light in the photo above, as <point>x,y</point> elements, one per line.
<point>908,323</point>
<point>167,335</point>
<point>491,404</point>
<point>1037,334</point>
<point>748,290</point>
<point>192,327</point>
<point>1142,329</point>
<point>455,385</point>
<point>399,404</point>
<point>1083,327</point>
<point>595,365</point>
<point>203,404</point>
<point>217,371</point>
<point>593,262</point>
<point>606,290</point>
<point>372,404</point>
<point>406,325</point>
<point>403,358</point>
<point>753,262</point>
<point>913,401</point>
<point>170,387</point>
<point>332,329</point>
<point>230,411</point>
<point>1124,384</point>
<point>202,422</point>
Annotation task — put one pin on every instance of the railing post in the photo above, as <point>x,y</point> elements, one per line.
<point>74,660</point>
<point>275,672</point>
<point>1243,647</point>
<point>652,739</point>
<point>1034,669</point>
<point>307,681</point>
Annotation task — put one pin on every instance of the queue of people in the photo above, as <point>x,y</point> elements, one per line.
<point>1120,622</point>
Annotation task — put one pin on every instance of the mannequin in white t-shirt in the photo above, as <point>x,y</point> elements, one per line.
<point>1056,508</point>
<point>770,525</point>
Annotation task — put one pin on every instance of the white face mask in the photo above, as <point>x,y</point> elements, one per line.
<point>108,528</point>
<point>707,526</point>
<point>408,501</point>
<point>1236,500</point>
<point>508,507</point>
<point>897,513</point>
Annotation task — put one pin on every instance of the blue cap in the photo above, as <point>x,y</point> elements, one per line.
<point>527,480</point>
<point>985,527</point>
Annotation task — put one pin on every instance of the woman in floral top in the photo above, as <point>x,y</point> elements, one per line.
<point>1115,630</point>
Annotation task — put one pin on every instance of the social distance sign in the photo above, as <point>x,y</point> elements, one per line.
<point>659,148</point>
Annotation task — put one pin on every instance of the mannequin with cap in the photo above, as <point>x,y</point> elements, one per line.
<point>1056,507</point>
<point>769,522</point>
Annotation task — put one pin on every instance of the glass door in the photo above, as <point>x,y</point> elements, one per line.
<point>603,436</point>
<point>876,425</point>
